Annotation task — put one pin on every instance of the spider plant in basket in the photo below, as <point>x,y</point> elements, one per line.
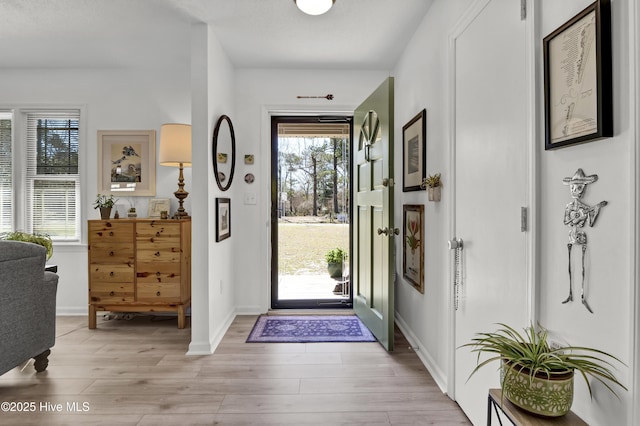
<point>536,377</point>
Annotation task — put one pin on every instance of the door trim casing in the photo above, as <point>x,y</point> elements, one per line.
<point>634,295</point>
<point>264,203</point>
<point>306,117</point>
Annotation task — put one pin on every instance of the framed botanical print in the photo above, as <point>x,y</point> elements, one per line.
<point>413,252</point>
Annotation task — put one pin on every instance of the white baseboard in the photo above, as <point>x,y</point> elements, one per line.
<point>71,311</point>
<point>249,310</point>
<point>438,375</point>
<point>207,348</point>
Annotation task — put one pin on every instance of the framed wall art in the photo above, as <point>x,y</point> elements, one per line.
<point>577,79</point>
<point>414,152</point>
<point>127,162</point>
<point>157,206</point>
<point>223,218</point>
<point>413,252</point>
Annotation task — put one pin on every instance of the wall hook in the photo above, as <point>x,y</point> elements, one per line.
<point>328,97</point>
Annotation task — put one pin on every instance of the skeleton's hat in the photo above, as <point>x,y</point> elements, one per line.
<point>579,177</point>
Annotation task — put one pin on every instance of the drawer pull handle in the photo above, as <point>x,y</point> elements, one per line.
<point>111,234</point>
<point>157,254</point>
<point>157,293</point>
<point>111,293</point>
<point>111,273</point>
<point>158,273</point>
<point>110,253</point>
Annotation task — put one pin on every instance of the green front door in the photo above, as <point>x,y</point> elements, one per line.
<point>374,231</point>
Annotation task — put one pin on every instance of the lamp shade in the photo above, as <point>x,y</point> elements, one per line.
<point>175,145</point>
<point>314,7</point>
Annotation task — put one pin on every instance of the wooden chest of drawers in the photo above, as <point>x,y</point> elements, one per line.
<point>139,265</point>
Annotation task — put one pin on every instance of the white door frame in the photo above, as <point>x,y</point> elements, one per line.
<point>634,295</point>
<point>532,168</point>
<point>267,111</point>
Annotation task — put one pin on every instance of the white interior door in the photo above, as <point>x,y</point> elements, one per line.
<point>491,181</point>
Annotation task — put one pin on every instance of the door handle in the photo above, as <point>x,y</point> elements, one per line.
<point>455,244</point>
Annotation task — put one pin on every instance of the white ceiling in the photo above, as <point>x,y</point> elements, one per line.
<point>354,34</point>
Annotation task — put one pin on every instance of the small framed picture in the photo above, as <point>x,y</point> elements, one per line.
<point>413,253</point>
<point>414,156</point>
<point>223,218</point>
<point>249,159</point>
<point>222,157</point>
<point>157,206</point>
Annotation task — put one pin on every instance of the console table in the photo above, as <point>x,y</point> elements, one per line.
<point>520,417</point>
<point>139,265</point>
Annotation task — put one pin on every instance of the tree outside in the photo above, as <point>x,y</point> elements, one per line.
<point>313,178</point>
<point>313,210</point>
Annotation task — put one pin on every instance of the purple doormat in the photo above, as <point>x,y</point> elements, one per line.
<point>305,329</point>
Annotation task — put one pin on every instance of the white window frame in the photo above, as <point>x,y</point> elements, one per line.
<point>19,152</point>
<point>7,114</point>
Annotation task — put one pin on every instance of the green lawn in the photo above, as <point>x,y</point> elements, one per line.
<point>302,246</point>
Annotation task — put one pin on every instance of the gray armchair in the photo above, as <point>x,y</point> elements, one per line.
<point>27,305</point>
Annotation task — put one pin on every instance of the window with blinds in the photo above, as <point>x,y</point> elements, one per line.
<point>6,172</point>
<point>52,177</point>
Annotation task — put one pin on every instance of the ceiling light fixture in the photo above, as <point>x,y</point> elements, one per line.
<point>314,7</point>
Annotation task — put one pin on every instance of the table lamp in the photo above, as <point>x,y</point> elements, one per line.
<point>175,151</point>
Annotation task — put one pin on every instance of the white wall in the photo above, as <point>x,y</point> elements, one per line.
<point>145,98</point>
<point>112,99</point>
<point>421,82</point>
<point>259,93</point>
<point>233,276</point>
<point>213,302</point>
<point>422,78</point>
<point>610,255</point>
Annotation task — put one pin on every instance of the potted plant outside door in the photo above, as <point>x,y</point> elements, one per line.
<point>335,262</point>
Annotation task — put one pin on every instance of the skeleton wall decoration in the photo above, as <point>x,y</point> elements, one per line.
<point>576,215</point>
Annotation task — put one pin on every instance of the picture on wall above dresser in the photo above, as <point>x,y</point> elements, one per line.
<point>127,162</point>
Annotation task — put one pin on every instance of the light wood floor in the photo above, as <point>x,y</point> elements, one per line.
<point>136,373</point>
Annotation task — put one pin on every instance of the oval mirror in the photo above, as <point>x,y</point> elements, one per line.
<point>224,152</point>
